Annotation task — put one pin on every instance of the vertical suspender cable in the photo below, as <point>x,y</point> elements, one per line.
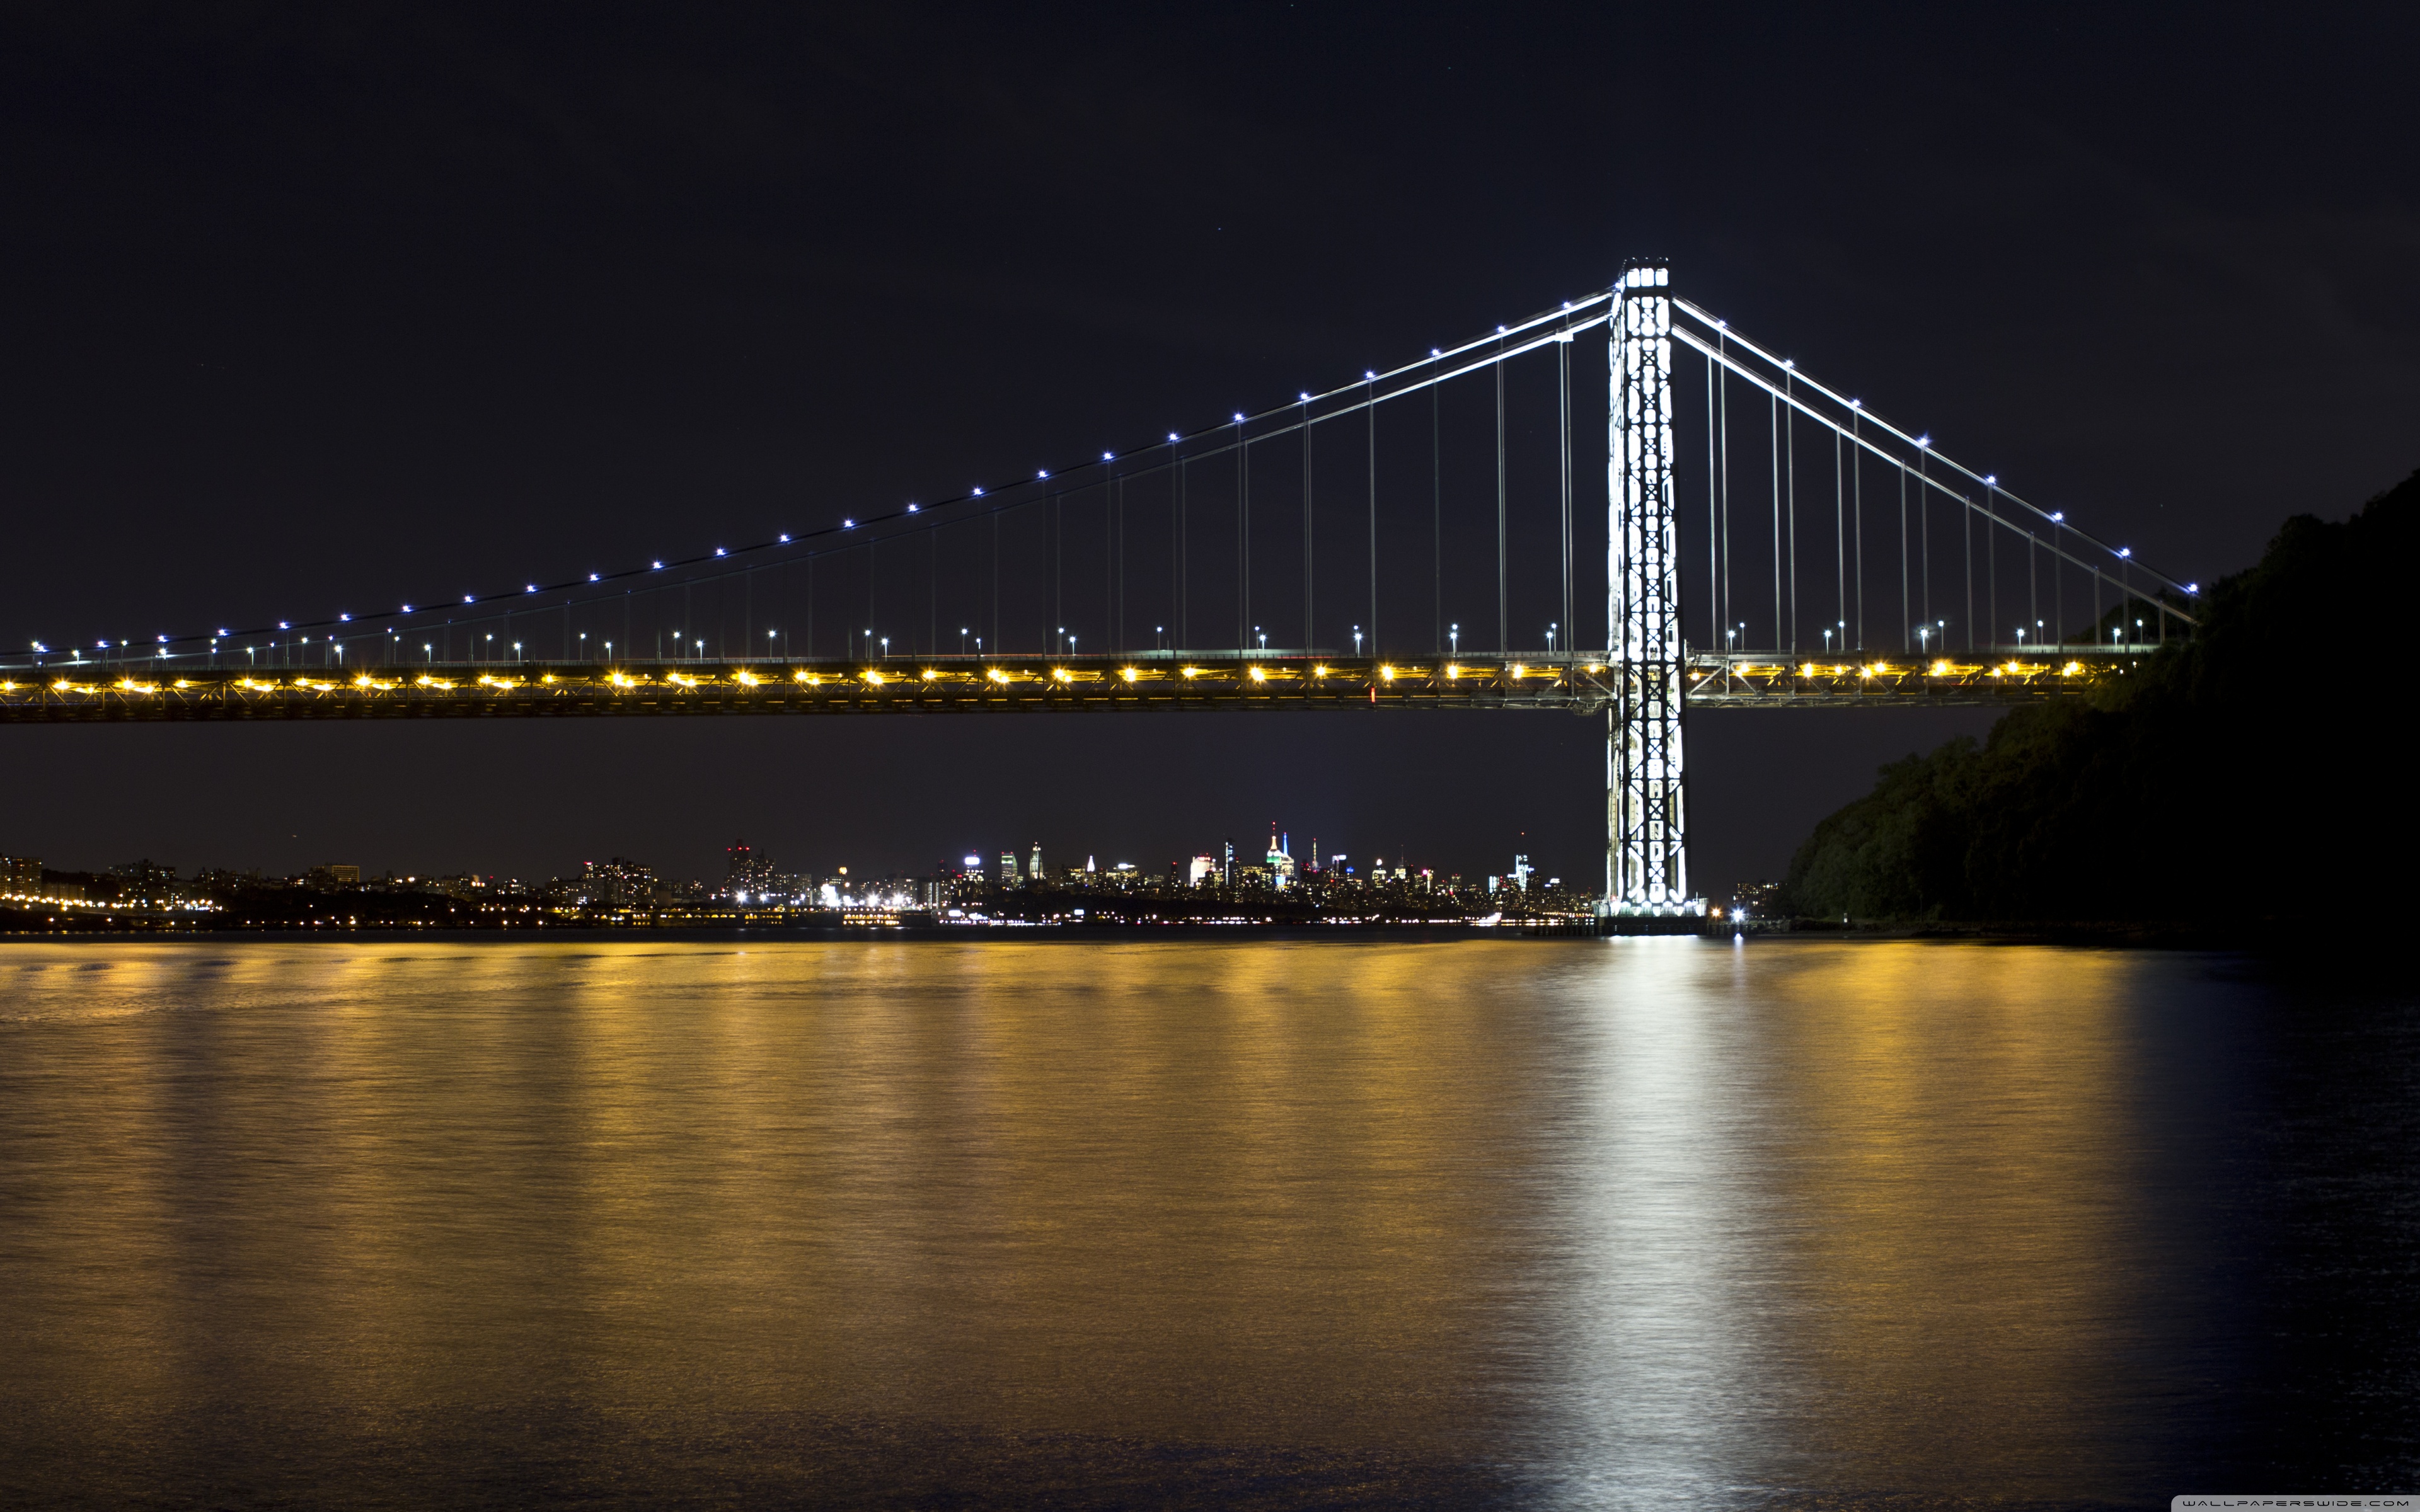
<point>1307,639</point>
<point>1789,433</point>
<point>1503,605</point>
<point>1370,446</point>
<point>1175,542</point>
<point>1774,404</point>
<point>1563,437</point>
<point>1436,526</point>
<point>1057,564</point>
<point>1839,545</point>
<point>1857,501</point>
<point>2033,586</point>
<point>995,581</point>
<point>1713,528</point>
<point>932,591</point>
<point>1924,535</point>
<point>1243,536</point>
<point>1723,426</point>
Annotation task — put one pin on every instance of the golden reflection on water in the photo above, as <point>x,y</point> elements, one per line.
<point>1654,1213</point>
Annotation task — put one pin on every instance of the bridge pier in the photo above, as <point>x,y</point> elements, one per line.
<point>1646,852</point>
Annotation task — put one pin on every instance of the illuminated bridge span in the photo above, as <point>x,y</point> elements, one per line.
<point>1074,684</point>
<point>1412,538</point>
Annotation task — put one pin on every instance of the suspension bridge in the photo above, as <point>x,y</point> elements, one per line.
<point>1412,538</point>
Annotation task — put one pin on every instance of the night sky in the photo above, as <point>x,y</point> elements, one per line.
<point>303,307</point>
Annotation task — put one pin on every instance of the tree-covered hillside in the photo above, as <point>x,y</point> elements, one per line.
<point>2256,771</point>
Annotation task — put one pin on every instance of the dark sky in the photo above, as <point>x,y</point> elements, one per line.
<point>311,306</point>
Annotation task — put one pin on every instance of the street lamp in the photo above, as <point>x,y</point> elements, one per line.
<point>1356,640</point>
<point>1552,627</point>
<point>1827,642</point>
<point>1453,639</point>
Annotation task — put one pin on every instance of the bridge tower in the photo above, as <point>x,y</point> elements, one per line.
<point>1646,861</point>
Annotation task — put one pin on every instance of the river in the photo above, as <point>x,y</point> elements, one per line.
<point>1236,1222</point>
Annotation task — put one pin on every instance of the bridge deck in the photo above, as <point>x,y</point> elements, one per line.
<point>89,691</point>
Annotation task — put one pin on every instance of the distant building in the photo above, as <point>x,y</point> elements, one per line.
<point>21,878</point>
<point>1008,867</point>
<point>1203,869</point>
<point>1754,899</point>
<point>330,877</point>
<point>1521,872</point>
<point>620,883</point>
<point>747,872</point>
<point>1033,867</point>
<point>1280,859</point>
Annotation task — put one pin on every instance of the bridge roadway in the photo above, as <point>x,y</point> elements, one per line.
<point>95,692</point>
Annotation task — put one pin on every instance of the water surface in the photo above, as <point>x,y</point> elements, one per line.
<point>1575,1223</point>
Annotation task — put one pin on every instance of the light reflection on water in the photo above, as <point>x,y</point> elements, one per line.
<point>1562,1222</point>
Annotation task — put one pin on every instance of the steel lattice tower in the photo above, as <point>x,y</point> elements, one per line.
<point>1646,861</point>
